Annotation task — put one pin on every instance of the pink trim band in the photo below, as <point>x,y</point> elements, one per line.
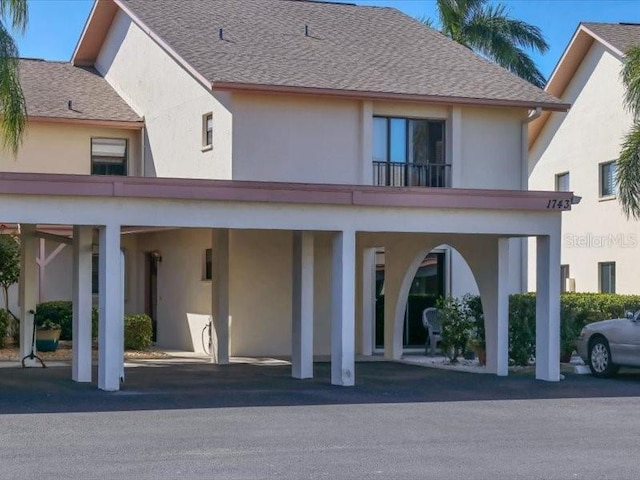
<point>277,192</point>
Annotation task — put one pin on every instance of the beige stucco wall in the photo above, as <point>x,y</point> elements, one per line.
<point>259,288</point>
<point>171,102</point>
<point>296,139</point>
<point>491,148</point>
<point>577,142</point>
<point>65,149</point>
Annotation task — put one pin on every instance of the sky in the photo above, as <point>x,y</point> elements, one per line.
<point>55,25</point>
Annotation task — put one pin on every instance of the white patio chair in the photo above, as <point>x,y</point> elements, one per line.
<point>431,323</point>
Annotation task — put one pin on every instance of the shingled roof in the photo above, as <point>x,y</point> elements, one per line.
<point>621,36</point>
<point>49,86</point>
<point>373,50</point>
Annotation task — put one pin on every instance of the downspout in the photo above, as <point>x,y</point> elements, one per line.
<point>524,185</point>
<point>142,150</point>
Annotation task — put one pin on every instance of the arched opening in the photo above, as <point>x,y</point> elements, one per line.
<point>433,272</point>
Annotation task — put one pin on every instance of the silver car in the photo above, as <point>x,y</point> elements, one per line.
<point>607,345</point>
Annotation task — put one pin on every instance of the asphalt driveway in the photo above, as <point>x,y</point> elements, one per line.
<point>254,422</point>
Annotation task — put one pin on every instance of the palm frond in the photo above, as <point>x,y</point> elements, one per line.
<point>628,174</point>
<point>521,34</point>
<point>12,102</point>
<point>502,51</point>
<point>17,11</point>
<point>630,75</point>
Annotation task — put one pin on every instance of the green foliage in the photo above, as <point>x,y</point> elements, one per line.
<point>61,312</point>
<point>457,326</point>
<point>628,174</point>
<point>488,29</point>
<point>9,263</point>
<point>474,306</point>
<point>138,332</point>
<point>6,320</point>
<point>49,325</point>
<point>12,101</point>
<point>576,311</point>
<point>522,328</point>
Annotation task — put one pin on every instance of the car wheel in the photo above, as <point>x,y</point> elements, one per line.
<point>600,362</point>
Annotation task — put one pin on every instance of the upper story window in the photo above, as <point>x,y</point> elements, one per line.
<point>562,182</point>
<point>608,179</point>
<point>207,130</point>
<point>409,152</point>
<point>108,156</point>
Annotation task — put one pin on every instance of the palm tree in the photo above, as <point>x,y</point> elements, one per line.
<point>12,101</point>
<point>487,29</point>
<point>628,173</point>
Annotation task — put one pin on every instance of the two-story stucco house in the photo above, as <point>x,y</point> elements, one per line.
<point>261,162</point>
<point>578,150</point>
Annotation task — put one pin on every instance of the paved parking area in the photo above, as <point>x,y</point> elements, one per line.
<point>254,422</point>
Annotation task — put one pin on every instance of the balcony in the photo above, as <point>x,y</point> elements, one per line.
<point>401,174</point>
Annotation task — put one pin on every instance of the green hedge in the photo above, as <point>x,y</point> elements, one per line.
<point>576,311</point>
<point>138,332</point>
<point>6,320</point>
<point>60,312</point>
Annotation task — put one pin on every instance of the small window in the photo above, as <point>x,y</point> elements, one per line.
<point>207,273</point>
<point>95,274</point>
<point>608,179</point>
<point>108,156</point>
<point>564,277</point>
<point>207,130</point>
<point>562,182</point>
<point>607,273</point>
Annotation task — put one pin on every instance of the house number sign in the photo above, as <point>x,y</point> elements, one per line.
<point>559,204</point>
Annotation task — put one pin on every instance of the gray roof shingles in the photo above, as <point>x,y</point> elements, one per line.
<point>354,48</point>
<point>48,87</point>
<point>622,36</point>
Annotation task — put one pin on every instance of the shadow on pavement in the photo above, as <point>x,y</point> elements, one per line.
<point>188,386</point>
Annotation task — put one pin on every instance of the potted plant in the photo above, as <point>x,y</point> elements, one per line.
<point>47,336</point>
<point>477,341</point>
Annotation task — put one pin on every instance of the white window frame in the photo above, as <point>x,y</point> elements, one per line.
<point>207,145</point>
<point>557,181</point>
<point>601,167</point>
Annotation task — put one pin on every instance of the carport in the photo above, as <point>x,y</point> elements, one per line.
<point>406,221</point>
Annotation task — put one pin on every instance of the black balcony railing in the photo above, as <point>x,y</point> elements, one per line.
<point>400,174</point>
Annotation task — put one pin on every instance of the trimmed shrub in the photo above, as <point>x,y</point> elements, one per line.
<point>138,332</point>
<point>61,312</point>
<point>576,311</point>
<point>457,326</point>
<point>6,320</point>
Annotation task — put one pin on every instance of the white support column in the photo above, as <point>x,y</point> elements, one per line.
<point>368,299</point>
<point>497,334</point>
<point>28,289</point>
<point>548,308</point>
<point>343,308</point>
<point>302,306</point>
<point>220,295</point>
<point>111,321</point>
<point>81,299</point>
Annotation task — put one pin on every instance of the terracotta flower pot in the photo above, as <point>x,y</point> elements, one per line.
<point>482,355</point>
